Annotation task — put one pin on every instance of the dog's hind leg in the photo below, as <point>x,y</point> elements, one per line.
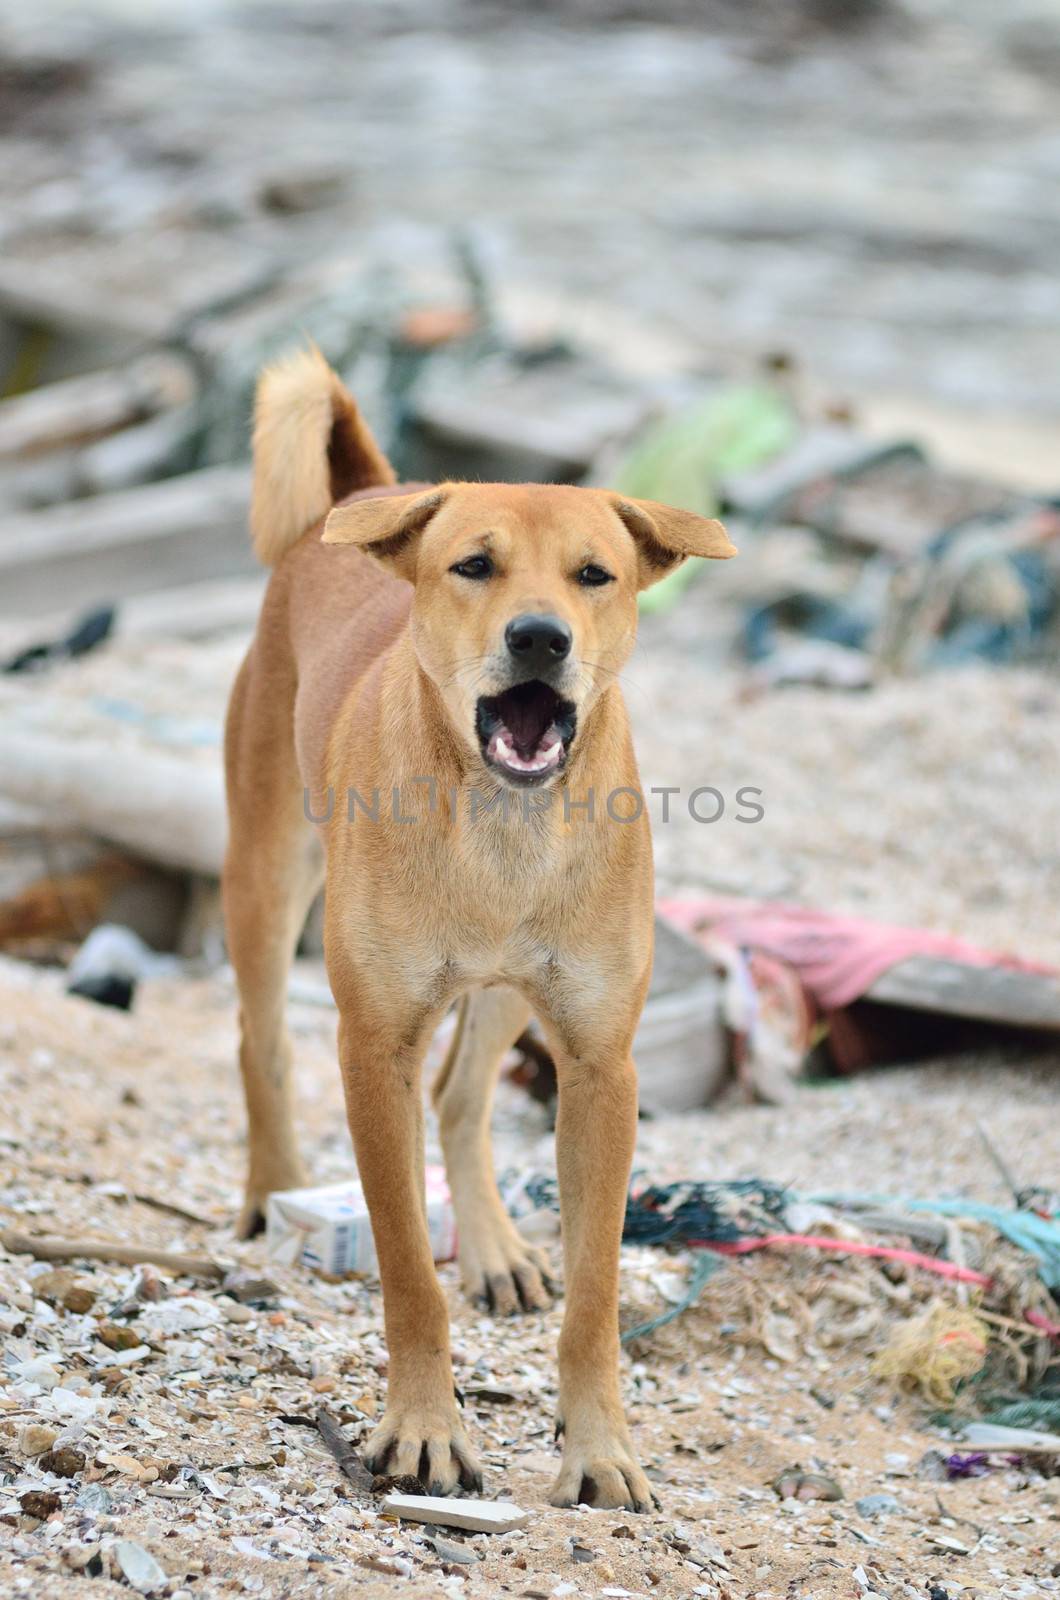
<point>497,1264</point>
<point>273,869</point>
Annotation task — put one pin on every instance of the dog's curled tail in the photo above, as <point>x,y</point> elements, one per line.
<point>311,448</point>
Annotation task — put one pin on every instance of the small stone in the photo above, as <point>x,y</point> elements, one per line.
<point>932,1467</point>
<point>65,1462</point>
<point>94,1500</point>
<point>248,1288</point>
<point>35,1439</point>
<point>138,1567</point>
<point>39,1503</point>
<point>79,1298</point>
<point>877,1505</point>
<point>117,1337</point>
<point>323,1384</point>
<point>234,1312</point>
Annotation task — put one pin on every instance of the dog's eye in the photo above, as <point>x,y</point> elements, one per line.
<point>592,577</point>
<point>473,567</point>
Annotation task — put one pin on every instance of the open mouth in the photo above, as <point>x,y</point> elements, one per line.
<point>526,731</point>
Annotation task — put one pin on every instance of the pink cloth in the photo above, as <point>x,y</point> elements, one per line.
<point>838,958</point>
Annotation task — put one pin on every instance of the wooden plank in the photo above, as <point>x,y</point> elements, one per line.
<point>167,808</point>
<point>144,286</point>
<point>76,410</point>
<point>90,552</point>
<point>1003,995</point>
<point>189,611</point>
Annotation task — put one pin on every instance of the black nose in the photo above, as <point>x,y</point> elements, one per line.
<point>538,643</point>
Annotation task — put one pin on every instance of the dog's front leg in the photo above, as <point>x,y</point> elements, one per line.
<point>421,1433</point>
<point>595,1133</point>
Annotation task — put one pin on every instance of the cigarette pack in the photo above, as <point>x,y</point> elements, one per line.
<point>329,1228</point>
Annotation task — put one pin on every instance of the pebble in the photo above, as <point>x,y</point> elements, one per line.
<point>234,1311</point>
<point>249,1288</point>
<point>94,1499</point>
<point>79,1298</point>
<point>35,1439</point>
<point>64,1462</point>
<point>877,1505</point>
<point>39,1503</point>
<point>117,1337</point>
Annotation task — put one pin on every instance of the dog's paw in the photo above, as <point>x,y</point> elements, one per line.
<point>503,1272</point>
<point>426,1444</point>
<point>605,1474</point>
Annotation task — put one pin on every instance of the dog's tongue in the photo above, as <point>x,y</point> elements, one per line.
<point>527,717</point>
<point>527,738</point>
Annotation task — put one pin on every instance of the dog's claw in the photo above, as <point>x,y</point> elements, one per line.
<point>251,1222</point>
<point>263,1181</point>
<point>611,1481</point>
<point>507,1276</point>
<point>433,1448</point>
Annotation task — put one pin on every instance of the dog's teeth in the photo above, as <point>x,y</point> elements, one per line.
<point>548,753</point>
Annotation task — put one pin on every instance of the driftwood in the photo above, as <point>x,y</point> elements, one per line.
<point>186,611</point>
<point>161,806</point>
<point>78,410</point>
<point>985,994</point>
<point>94,551</point>
<point>48,1247</point>
<point>349,1462</point>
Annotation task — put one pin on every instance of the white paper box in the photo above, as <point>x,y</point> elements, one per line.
<point>329,1228</point>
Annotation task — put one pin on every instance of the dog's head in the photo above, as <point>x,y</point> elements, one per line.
<point>525,603</point>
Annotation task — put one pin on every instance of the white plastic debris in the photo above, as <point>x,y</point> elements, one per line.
<point>111,950</point>
<point>477,1516</point>
<point>329,1228</point>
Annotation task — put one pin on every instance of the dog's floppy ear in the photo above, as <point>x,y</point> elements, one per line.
<point>386,527</point>
<point>665,536</point>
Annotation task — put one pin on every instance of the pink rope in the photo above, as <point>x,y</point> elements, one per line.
<point>1037,1320</point>
<point>852,1247</point>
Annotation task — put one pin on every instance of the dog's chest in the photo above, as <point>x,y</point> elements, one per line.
<point>499,913</point>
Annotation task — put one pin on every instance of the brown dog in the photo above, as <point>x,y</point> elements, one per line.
<point>441,669</point>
